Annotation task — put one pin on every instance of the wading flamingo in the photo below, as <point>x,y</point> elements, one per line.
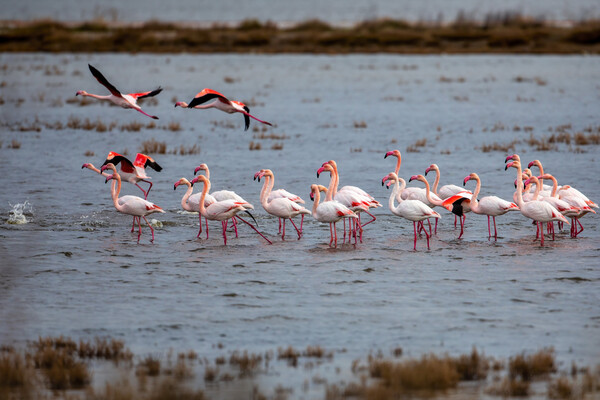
<point>221,210</point>
<point>447,191</point>
<point>329,212</point>
<point>136,171</point>
<point>566,209</point>
<point>123,100</point>
<point>350,198</point>
<point>191,202</point>
<point>222,195</point>
<point>413,210</point>
<point>492,206</point>
<point>131,205</point>
<point>281,207</point>
<point>539,211</point>
<point>221,103</point>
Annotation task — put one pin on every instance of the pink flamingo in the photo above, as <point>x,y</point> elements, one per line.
<point>281,207</point>
<point>492,206</point>
<point>131,205</point>
<point>222,195</point>
<point>122,100</point>
<point>350,198</point>
<point>566,209</point>
<point>191,202</point>
<point>221,103</point>
<point>280,193</point>
<point>537,210</point>
<point>329,212</point>
<point>413,210</point>
<point>221,210</point>
<point>136,171</point>
<point>447,191</point>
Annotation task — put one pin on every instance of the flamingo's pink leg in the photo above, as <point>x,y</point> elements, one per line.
<point>143,191</point>
<point>462,227</point>
<point>581,226</point>
<point>373,219</point>
<point>495,231</point>
<point>200,225</point>
<point>235,225</point>
<point>252,226</point>
<point>299,232</point>
<point>133,223</point>
<point>259,120</point>
<point>151,229</point>
<point>279,225</point>
<point>330,233</point>
<point>301,222</point>
<point>139,228</point>
<point>224,225</point>
<point>147,191</point>
<point>489,231</point>
<point>148,115</point>
<point>415,229</point>
<point>541,232</point>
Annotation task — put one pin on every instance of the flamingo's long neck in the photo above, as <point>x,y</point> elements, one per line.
<point>205,190</point>
<point>186,196</point>
<point>519,199</point>
<point>97,96</point>
<point>436,182</point>
<point>541,180</point>
<point>207,173</point>
<point>554,185</point>
<point>538,185</point>
<point>428,194</point>
<point>332,186</point>
<point>398,162</point>
<point>398,188</point>
<point>115,193</point>
<point>266,191</point>
<point>317,198</point>
<point>336,178</point>
<point>474,202</point>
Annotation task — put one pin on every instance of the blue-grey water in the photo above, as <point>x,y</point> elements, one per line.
<point>335,11</point>
<point>74,268</point>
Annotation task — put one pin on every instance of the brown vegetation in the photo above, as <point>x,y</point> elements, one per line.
<point>501,32</point>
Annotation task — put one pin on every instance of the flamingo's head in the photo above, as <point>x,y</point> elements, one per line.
<point>257,175</point>
<point>395,153</point>
<point>86,165</point>
<point>537,163</point>
<point>432,167</point>
<point>467,178</point>
<point>81,92</point>
<point>417,178</point>
<point>108,178</point>
<point>181,181</point>
<point>391,177</point>
<point>514,157</point>
<point>107,166</point>
<point>201,167</point>
<point>182,104</point>
<point>325,167</point>
<point>199,178</point>
<point>513,164</point>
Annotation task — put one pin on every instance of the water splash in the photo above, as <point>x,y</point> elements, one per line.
<point>156,223</point>
<point>17,214</point>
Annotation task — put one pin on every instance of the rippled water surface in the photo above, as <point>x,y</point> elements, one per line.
<point>74,269</point>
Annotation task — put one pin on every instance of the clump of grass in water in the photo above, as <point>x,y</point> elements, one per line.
<point>17,214</point>
<point>152,146</point>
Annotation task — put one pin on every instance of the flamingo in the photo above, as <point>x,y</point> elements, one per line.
<point>191,202</point>
<point>221,103</point>
<point>539,211</point>
<point>136,171</point>
<point>350,198</point>
<point>222,195</point>
<point>281,207</point>
<point>329,212</point>
<point>123,100</point>
<point>545,189</point>
<point>566,209</point>
<point>447,191</point>
<point>221,210</point>
<point>451,204</point>
<point>492,206</point>
<point>413,210</point>
<point>131,205</point>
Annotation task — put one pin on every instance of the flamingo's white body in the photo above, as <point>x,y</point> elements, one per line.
<point>412,210</point>
<point>329,212</point>
<point>492,206</point>
<point>220,103</point>
<point>122,100</point>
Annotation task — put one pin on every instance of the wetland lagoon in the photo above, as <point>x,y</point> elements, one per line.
<point>296,319</point>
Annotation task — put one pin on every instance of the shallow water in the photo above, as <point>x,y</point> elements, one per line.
<point>74,269</point>
<point>337,11</point>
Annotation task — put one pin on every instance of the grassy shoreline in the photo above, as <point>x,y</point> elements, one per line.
<point>497,33</point>
<point>103,368</point>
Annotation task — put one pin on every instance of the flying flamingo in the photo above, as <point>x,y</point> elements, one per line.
<point>123,100</point>
<point>136,171</point>
<point>222,195</point>
<point>537,210</point>
<point>191,202</point>
<point>413,210</point>
<point>281,207</point>
<point>350,198</point>
<point>221,103</point>
<point>131,205</point>
<point>221,210</point>
<point>492,206</point>
<point>447,191</point>
<point>329,212</point>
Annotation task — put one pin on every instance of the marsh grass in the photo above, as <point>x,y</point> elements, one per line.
<point>533,365</point>
<point>149,366</point>
<point>152,146</point>
<point>277,146</point>
<point>254,145</point>
<point>15,144</point>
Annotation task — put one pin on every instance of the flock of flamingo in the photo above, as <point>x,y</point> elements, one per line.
<point>546,205</point>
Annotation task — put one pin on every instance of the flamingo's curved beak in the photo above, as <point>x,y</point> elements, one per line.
<point>509,158</point>
<point>466,180</point>
<point>427,170</point>
<point>530,164</point>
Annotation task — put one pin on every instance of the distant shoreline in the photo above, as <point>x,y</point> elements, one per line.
<point>497,33</point>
